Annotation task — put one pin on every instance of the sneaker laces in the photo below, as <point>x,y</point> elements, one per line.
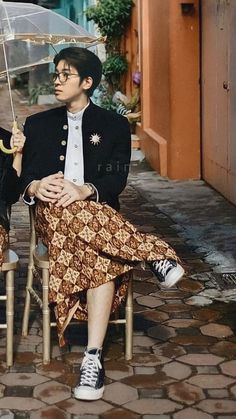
<point>163,266</point>
<point>89,369</point>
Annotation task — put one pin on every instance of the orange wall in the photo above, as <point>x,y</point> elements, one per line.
<point>170,128</point>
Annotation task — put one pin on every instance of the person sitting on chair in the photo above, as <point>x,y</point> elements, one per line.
<point>10,169</point>
<point>75,164</point>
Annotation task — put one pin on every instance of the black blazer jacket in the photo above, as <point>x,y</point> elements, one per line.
<point>106,163</point>
<point>9,181</point>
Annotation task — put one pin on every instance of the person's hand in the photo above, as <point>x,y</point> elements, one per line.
<point>71,193</point>
<point>48,189</point>
<point>17,140</point>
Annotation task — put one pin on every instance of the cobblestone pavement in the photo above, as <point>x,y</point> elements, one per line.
<point>184,364</point>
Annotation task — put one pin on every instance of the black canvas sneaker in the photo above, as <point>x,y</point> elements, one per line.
<point>167,271</point>
<point>92,375</point>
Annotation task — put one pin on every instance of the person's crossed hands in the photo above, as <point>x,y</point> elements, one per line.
<point>57,190</point>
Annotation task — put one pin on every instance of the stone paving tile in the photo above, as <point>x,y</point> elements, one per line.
<point>116,370</point>
<point>18,379</point>
<point>185,393</point>
<point>168,349</point>
<point>191,286</point>
<point>143,341</point>
<point>149,301</point>
<point>218,394</point>
<point>182,323</point>
<point>229,368</point>
<point>194,340</point>
<point>191,413</point>
<point>161,332</point>
<point>148,360</point>
<point>156,417</point>
<point>19,403</point>
<point>119,414</point>
<point>216,330</point>
<point>211,381</point>
<point>74,407</point>
<point>175,308</point>
<point>119,393</point>
<point>223,348</point>
<point>177,370</point>
<point>200,359</point>
<point>51,412</point>
<point>148,393</point>
<point>148,381</point>
<point>155,316</point>
<point>52,392</point>
<point>159,406</point>
<point>233,391</point>
<point>206,369</point>
<point>207,314</point>
<point>218,406</point>
<point>54,369</point>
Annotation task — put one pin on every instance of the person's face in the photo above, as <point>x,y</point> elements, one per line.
<point>67,84</point>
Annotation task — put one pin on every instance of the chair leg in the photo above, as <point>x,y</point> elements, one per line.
<point>29,283</point>
<point>9,315</point>
<point>46,319</point>
<point>129,321</point>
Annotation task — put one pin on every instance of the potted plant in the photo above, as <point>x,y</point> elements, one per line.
<point>42,94</point>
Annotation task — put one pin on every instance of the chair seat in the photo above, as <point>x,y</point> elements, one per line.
<point>10,260</point>
<point>40,255</point>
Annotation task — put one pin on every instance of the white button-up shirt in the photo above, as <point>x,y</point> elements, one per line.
<point>74,163</point>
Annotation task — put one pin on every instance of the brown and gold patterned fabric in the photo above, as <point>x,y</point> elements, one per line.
<point>90,244</point>
<point>3,242</point>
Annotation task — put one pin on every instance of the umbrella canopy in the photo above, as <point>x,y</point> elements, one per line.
<point>27,30</point>
<point>30,22</point>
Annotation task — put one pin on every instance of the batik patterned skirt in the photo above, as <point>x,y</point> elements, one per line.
<point>3,242</point>
<point>90,244</point>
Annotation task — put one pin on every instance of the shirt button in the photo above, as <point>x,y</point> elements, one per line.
<point>65,127</point>
<point>76,145</point>
<point>76,163</point>
<point>77,127</point>
<point>62,158</point>
<point>63,142</point>
<point>74,180</point>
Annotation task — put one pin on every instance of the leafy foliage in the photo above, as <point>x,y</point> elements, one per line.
<point>41,89</point>
<point>110,16</point>
<point>113,68</point>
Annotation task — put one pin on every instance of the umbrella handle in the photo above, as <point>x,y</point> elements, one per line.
<point>9,150</point>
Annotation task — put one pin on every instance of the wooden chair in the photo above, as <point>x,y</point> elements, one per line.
<point>10,264</point>
<point>38,258</point>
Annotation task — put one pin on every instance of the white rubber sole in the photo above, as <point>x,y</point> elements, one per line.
<point>173,277</point>
<point>87,393</point>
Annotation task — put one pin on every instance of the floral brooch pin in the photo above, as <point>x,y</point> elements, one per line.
<point>95,139</point>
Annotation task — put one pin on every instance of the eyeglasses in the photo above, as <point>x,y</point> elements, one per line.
<point>63,76</point>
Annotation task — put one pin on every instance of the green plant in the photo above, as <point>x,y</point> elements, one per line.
<point>41,89</point>
<point>113,68</point>
<point>112,18</point>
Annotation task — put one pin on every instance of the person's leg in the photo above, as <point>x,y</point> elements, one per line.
<point>99,301</point>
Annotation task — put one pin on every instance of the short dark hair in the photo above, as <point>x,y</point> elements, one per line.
<point>86,63</point>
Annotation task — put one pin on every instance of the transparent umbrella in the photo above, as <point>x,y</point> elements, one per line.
<point>26,32</point>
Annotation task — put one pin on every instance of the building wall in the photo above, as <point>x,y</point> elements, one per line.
<point>219,96</point>
<point>170,127</point>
